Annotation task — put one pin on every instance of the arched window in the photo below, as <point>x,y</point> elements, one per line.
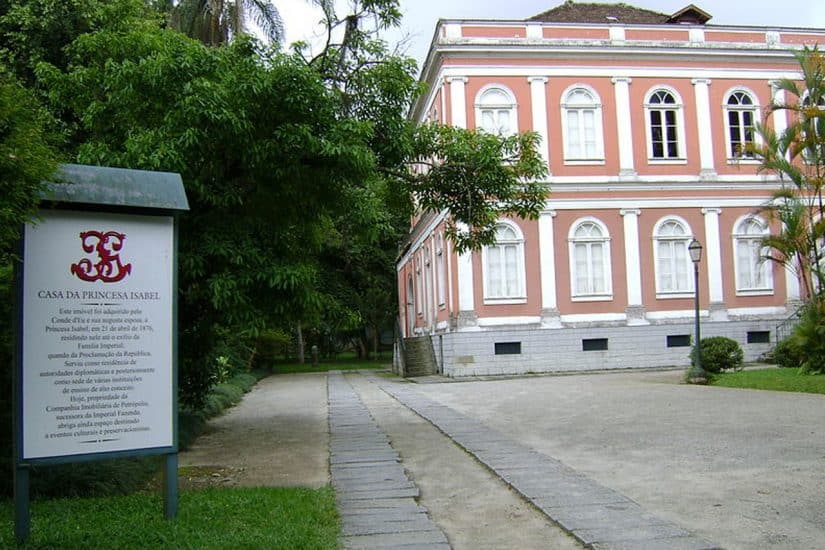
<point>665,125</point>
<point>582,125</point>
<point>496,111</point>
<point>673,266</point>
<point>504,265</point>
<point>753,271</point>
<point>590,259</point>
<point>740,116</point>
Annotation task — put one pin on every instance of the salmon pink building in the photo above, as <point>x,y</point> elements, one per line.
<point>643,118</point>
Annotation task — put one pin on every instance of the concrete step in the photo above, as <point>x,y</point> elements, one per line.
<point>419,357</point>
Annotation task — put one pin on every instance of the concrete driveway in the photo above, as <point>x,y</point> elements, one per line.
<point>743,468</point>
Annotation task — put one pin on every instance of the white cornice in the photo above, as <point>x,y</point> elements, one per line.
<point>650,202</point>
<point>539,69</point>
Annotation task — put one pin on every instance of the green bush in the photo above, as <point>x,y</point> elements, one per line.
<point>269,345</point>
<point>719,353</point>
<point>808,337</point>
<point>786,355</point>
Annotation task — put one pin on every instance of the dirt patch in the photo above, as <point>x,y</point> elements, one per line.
<point>204,477</point>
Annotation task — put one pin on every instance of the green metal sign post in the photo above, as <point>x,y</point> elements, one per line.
<point>95,373</point>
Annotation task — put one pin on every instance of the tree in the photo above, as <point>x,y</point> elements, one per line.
<point>359,267</point>
<point>35,31</point>
<point>215,22</point>
<point>27,158</point>
<point>263,155</point>
<point>478,177</point>
<point>797,156</point>
<point>295,172</point>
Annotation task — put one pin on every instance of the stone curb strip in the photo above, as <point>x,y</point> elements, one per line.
<point>375,498</point>
<point>597,516</point>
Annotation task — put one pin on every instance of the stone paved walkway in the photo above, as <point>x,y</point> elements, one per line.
<point>598,516</point>
<point>375,498</point>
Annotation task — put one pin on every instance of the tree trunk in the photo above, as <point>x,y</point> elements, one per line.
<point>363,352</point>
<point>375,338</point>
<point>300,337</point>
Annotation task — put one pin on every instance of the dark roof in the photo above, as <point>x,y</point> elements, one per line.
<point>690,14</point>
<point>592,12</point>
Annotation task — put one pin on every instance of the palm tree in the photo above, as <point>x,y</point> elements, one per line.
<point>797,155</point>
<point>215,22</point>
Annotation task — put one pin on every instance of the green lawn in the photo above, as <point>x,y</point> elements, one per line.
<point>772,379</point>
<point>293,518</point>
<point>343,362</point>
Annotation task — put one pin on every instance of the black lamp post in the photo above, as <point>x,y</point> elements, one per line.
<point>696,374</point>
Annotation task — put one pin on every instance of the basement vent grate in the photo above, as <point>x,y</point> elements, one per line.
<point>508,348</point>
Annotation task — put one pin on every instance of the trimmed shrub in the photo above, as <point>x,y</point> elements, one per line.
<point>719,353</point>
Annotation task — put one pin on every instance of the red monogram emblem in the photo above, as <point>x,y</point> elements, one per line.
<point>108,267</point>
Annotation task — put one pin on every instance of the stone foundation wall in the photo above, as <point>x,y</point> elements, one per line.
<point>523,350</point>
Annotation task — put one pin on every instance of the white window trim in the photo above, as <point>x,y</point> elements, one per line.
<point>512,106</point>
<point>731,157</point>
<point>598,127</point>
<point>522,297</point>
<point>735,237</point>
<point>669,294</point>
<point>607,295</point>
<point>679,107</point>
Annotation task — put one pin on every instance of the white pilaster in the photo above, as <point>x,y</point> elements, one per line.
<point>621,90</point>
<point>696,35</point>
<point>780,116</point>
<point>465,282</point>
<point>713,257</point>
<point>701,89</point>
<point>466,299</point>
<point>547,264</point>
<point>433,313</point>
<point>617,33</point>
<point>633,265</point>
<point>538,99</point>
<point>448,245</point>
<point>632,256</point>
<point>534,31</point>
<point>792,289</point>
<point>452,30</point>
<point>458,101</point>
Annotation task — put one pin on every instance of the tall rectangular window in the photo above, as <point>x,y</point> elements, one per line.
<point>590,259</point>
<point>581,113</point>
<point>664,120</point>
<point>504,265</point>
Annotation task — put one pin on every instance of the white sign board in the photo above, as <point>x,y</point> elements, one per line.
<point>97,334</point>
